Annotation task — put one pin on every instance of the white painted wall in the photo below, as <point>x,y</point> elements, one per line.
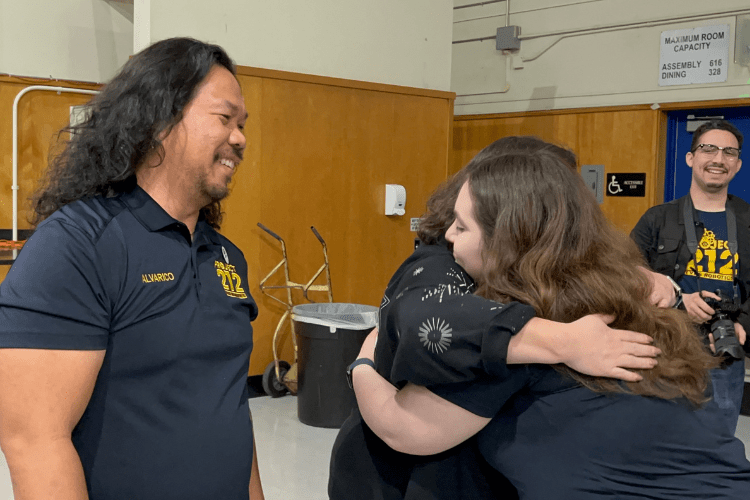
<point>615,67</point>
<point>85,40</point>
<point>400,42</point>
<point>403,42</point>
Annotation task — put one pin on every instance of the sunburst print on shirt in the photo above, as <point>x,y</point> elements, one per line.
<point>435,334</point>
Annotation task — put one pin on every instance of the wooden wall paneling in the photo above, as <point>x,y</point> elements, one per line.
<point>564,130</point>
<point>300,188</point>
<point>242,207</point>
<point>319,152</point>
<point>41,114</point>
<point>449,145</point>
<point>624,140</point>
<point>420,138</point>
<point>470,136</point>
<point>327,152</point>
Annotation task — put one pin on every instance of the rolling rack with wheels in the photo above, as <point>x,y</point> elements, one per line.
<point>280,376</point>
<point>10,246</point>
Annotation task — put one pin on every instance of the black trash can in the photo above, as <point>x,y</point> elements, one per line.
<point>329,337</point>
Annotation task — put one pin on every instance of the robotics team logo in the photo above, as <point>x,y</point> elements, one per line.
<point>435,334</point>
<point>708,240</point>
<point>230,280</point>
<point>713,259</point>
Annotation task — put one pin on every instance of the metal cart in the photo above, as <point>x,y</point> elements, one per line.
<point>279,376</point>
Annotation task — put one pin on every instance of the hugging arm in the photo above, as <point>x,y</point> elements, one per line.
<point>412,420</point>
<point>436,332</point>
<point>587,345</point>
<point>418,421</point>
<point>466,337</point>
<point>439,334</point>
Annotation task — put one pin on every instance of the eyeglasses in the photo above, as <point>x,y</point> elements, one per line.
<point>710,149</point>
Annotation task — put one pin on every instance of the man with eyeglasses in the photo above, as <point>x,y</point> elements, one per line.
<point>710,260</point>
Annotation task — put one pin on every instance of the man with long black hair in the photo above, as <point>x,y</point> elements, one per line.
<point>125,321</point>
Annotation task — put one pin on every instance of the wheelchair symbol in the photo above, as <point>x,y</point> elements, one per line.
<point>614,187</point>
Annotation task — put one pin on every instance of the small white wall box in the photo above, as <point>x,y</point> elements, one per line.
<point>78,115</point>
<point>395,199</point>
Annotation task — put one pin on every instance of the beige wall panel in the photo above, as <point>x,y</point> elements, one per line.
<point>388,41</point>
<point>583,53</point>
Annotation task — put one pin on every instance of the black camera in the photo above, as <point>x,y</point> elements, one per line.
<point>721,325</point>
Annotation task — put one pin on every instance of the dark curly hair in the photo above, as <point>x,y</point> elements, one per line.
<point>715,125</point>
<point>124,122</point>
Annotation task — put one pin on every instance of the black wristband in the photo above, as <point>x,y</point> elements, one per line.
<point>357,362</point>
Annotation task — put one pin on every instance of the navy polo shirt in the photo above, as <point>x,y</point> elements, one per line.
<point>556,440</point>
<point>169,415</point>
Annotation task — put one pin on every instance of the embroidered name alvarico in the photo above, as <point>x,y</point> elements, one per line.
<point>158,277</point>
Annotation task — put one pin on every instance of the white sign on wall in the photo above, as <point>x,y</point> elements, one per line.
<point>698,55</point>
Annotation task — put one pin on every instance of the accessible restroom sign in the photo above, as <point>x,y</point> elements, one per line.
<point>697,55</point>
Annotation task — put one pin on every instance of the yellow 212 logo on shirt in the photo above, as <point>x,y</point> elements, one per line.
<point>230,280</point>
<point>713,259</point>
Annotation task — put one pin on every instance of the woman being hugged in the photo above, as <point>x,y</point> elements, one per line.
<point>460,336</point>
<point>527,229</point>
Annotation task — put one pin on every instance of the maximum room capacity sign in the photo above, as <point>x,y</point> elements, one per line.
<point>698,55</point>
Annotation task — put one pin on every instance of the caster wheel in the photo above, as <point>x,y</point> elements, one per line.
<point>271,384</point>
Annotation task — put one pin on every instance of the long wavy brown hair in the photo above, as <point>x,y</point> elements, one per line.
<point>548,244</point>
<point>439,215</point>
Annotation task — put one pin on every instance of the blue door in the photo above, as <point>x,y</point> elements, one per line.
<point>679,136</point>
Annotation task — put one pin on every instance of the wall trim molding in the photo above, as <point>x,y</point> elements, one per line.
<point>342,82</point>
<point>261,73</point>
<point>670,106</point>
<point>31,80</point>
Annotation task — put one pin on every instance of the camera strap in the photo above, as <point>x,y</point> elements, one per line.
<point>688,213</point>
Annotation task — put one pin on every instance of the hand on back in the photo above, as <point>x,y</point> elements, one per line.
<point>596,349</point>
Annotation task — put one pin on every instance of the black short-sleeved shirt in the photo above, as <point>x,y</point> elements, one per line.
<point>432,330</point>
<point>169,414</point>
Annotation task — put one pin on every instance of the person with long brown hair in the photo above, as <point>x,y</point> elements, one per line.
<point>527,229</point>
<point>479,335</point>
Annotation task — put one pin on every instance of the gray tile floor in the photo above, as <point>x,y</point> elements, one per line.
<point>293,456</point>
